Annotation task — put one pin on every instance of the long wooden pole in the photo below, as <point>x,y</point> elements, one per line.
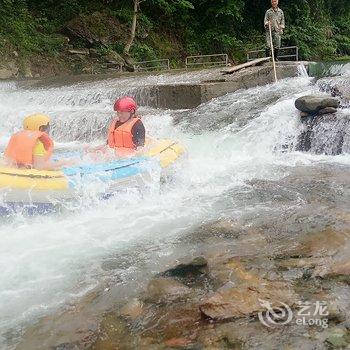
<point>272,53</point>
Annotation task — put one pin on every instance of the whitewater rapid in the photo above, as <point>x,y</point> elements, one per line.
<point>50,261</point>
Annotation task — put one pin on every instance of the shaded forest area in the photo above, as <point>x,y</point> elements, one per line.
<point>37,31</point>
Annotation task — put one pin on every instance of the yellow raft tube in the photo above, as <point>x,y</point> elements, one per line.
<point>36,181</point>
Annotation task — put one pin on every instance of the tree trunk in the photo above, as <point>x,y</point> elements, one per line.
<point>133,28</point>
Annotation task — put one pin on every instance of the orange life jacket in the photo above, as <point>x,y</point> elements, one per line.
<point>21,146</point>
<point>121,139</point>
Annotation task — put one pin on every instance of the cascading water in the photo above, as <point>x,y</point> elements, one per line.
<point>49,261</point>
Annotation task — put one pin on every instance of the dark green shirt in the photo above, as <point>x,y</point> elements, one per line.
<point>276,17</point>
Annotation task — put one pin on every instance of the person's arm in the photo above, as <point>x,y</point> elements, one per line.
<point>266,19</point>
<point>282,24</point>
<point>41,163</point>
<point>139,134</point>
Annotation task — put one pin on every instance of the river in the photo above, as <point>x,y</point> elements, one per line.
<point>49,262</point>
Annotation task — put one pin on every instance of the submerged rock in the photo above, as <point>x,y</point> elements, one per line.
<point>166,290</point>
<point>338,339</point>
<point>178,342</point>
<point>197,266</point>
<point>339,268</point>
<point>132,309</point>
<point>313,103</point>
<point>223,228</point>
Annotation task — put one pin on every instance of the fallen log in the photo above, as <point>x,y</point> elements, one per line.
<point>256,62</point>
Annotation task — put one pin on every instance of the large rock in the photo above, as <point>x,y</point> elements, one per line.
<point>244,300</point>
<point>313,103</point>
<point>246,295</point>
<point>97,27</point>
<point>9,70</point>
<point>5,73</point>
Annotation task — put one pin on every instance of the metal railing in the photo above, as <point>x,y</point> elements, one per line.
<point>254,54</point>
<point>163,64</point>
<point>207,60</point>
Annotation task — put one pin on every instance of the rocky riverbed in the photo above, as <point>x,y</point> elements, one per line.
<point>210,298</point>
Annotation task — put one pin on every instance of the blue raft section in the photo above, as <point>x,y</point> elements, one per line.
<point>107,173</point>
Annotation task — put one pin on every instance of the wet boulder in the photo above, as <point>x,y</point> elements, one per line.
<point>327,110</point>
<point>325,134</point>
<point>246,294</point>
<point>312,104</point>
<point>232,301</point>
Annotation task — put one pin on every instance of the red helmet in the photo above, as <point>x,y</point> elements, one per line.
<point>125,104</point>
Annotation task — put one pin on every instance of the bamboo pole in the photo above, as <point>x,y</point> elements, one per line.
<point>272,53</point>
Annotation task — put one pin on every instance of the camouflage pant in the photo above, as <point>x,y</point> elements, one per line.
<point>276,39</point>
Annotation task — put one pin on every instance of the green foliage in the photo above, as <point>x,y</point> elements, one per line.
<point>176,28</point>
<point>171,6</point>
<point>124,14</point>
<point>18,27</point>
<point>143,52</point>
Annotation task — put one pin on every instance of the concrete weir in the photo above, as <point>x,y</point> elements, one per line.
<point>184,96</point>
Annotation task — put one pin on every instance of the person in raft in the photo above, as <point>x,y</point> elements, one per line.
<point>126,132</point>
<point>32,147</point>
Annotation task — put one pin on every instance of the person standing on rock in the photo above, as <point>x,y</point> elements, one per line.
<point>275,17</point>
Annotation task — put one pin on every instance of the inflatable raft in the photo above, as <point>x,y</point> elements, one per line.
<point>40,188</point>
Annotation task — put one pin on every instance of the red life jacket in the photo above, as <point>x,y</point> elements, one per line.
<point>21,147</point>
<point>120,138</point>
